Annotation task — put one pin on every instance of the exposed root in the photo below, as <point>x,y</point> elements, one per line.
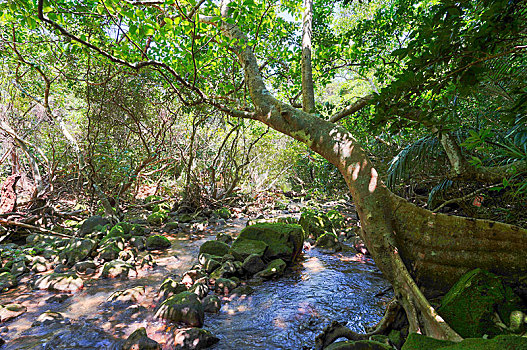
<point>337,330</point>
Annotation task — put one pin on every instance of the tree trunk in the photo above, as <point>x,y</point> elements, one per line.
<point>308,90</point>
<point>402,238</point>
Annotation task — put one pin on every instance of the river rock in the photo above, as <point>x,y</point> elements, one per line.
<point>328,241</point>
<point>77,250</point>
<point>243,290</point>
<point>40,264</point>
<point>157,218</point>
<point>48,318</point>
<point>131,295</point>
<point>183,307</point>
<point>19,268</point>
<point>470,304</point>
<point>171,287</point>
<point>116,269</point>
<point>10,311</point>
<point>200,289</point>
<point>500,342</point>
<point>92,224</point>
<point>315,223</point>
<point>192,276</point>
<point>110,249</point>
<point>138,230</point>
<point>139,340</point>
<point>284,241</point>
<point>194,339</point>
<point>224,237</point>
<point>209,262</point>
<point>273,269</point>
<point>85,267</point>
<point>224,286</point>
<point>121,229</point>
<point>138,242</point>
<point>60,282</point>
<point>211,303</point>
<point>157,242</point>
<point>241,248</point>
<point>216,248</point>
<point>61,268</point>
<point>253,264</point>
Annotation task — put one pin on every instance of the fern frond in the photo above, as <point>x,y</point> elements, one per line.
<point>438,191</point>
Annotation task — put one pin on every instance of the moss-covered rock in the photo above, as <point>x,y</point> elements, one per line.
<point>274,268</point>
<point>121,229</point>
<point>194,338</point>
<point>137,230</point>
<point>241,248</point>
<point>358,345</point>
<point>116,269</point>
<point>10,311</point>
<point>139,340</point>
<point>216,248</point>
<point>60,282</point>
<point>328,240</point>
<point>77,250</point>
<point>151,199</point>
<point>183,307</point>
<point>93,223</point>
<point>157,218</point>
<point>223,213</point>
<point>470,304</point>
<point>224,285</point>
<point>7,280</point>
<point>171,287</point>
<point>315,223</point>
<point>502,342</point>
<point>157,242</point>
<point>285,241</point>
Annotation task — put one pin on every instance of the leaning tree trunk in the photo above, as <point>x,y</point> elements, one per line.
<point>405,241</point>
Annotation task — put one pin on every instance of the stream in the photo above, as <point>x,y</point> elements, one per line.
<point>286,313</point>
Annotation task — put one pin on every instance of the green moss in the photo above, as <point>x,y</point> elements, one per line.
<point>420,342</point>
<point>241,248</point>
<point>315,223</point>
<point>501,342</point>
<point>223,213</point>
<point>470,304</point>
<point>216,248</point>
<point>157,218</point>
<point>157,242</point>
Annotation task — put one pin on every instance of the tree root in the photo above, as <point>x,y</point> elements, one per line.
<point>337,330</point>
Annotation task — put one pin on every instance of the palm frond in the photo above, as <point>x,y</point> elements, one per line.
<point>439,191</point>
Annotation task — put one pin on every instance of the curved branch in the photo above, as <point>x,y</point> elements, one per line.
<point>357,106</point>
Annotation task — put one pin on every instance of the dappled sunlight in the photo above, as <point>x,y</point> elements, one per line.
<point>313,265</point>
<point>373,181</point>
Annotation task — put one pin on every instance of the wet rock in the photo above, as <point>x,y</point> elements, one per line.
<point>194,339</point>
<point>253,264</point>
<point>84,266</point>
<point>157,218</point>
<point>183,307</point>
<point>223,213</point>
<point>48,318</point>
<point>211,303</point>
<point>470,304</point>
<point>148,260</point>
<point>227,269</point>
<point>500,342</point>
<point>243,290</point>
<point>10,311</point>
<point>191,276</point>
<point>77,250</point>
<point>110,250</point>
<point>92,224</point>
<point>225,238</point>
<point>241,248</point>
<point>138,242</point>
<point>171,287</point>
<point>209,262</point>
<point>60,282</point>
<point>116,269</point>
<point>121,229</point>
<point>200,289</point>
<point>59,298</point>
<point>40,264</point>
<point>273,269</point>
<point>131,295</point>
<point>328,241</point>
<point>139,340</point>
<point>127,255</point>
<point>19,268</point>
<point>224,286</point>
<point>61,268</point>
<point>360,344</point>
<point>138,230</point>
<point>216,248</point>
<point>227,257</point>
<point>156,242</point>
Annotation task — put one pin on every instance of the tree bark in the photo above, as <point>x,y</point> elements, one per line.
<point>308,90</point>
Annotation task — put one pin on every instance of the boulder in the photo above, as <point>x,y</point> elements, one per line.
<point>91,224</point>
<point>19,268</point>
<point>215,248</point>
<point>131,295</point>
<point>157,242</point>
<point>211,303</point>
<point>138,230</point>
<point>171,287</point>
<point>39,264</point>
<point>285,241</point>
<point>85,267</point>
<point>470,304</point>
<point>157,218</point>
<point>138,242</point>
<point>48,317</point>
<point>241,248</point>
<point>194,339</point>
<point>253,264</point>
<point>116,269</point>
<point>328,241</point>
<point>10,311</point>
<point>501,342</point>
<point>110,250</point>
<point>200,289</point>
<point>139,340</point>
<point>77,250</point>
<point>243,290</point>
<point>183,307</point>
<point>122,229</point>
<point>273,269</point>
<point>224,286</point>
<point>225,238</point>
<point>60,282</point>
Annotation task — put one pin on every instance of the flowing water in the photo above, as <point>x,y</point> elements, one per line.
<point>281,314</point>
